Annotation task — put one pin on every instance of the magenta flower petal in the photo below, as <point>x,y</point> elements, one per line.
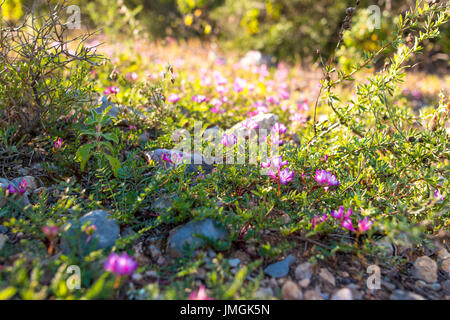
<point>347,224</point>
<point>173,98</point>
<point>364,225</point>
<point>314,221</point>
<point>272,174</point>
<point>338,214</point>
<point>120,265</point>
<point>286,176</point>
<point>200,294</point>
<point>11,189</point>
<point>279,128</point>
<point>166,158</point>
<point>266,164</point>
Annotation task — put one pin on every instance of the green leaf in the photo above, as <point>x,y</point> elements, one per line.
<point>115,164</point>
<point>96,288</point>
<point>107,145</point>
<point>111,137</point>
<point>83,154</point>
<point>7,293</point>
<point>87,132</point>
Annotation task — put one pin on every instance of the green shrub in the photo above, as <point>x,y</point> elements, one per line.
<point>43,73</point>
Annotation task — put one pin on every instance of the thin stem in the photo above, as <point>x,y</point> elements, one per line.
<point>117,282</point>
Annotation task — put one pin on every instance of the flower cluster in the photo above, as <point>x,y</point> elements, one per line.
<point>120,265</point>
<point>438,195</point>
<point>173,98</point>
<point>175,158</point>
<point>344,219</point>
<point>317,220</point>
<point>22,188</point>
<point>132,76</point>
<point>111,90</point>
<point>279,128</point>
<point>326,179</point>
<point>50,232</point>
<point>250,124</point>
<point>228,140</point>
<point>276,172</point>
<point>239,84</point>
<point>200,294</point>
<point>199,98</point>
<point>57,144</point>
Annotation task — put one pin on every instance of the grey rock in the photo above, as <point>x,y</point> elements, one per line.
<point>446,287</point>
<point>264,293</point>
<point>23,171</point>
<point>443,254</point>
<point>280,269</point>
<point>3,229</point>
<point>162,204</point>
<point>325,296</point>
<point>356,294</point>
<point>192,234</point>
<point>255,57</point>
<point>405,295</point>
<point>105,103</point>
<point>115,109</point>
<point>211,253</point>
<point>291,291</point>
<point>425,269</point>
<point>105,236</point>
<point>3,239</point>
<point>343,294</point>
<point>304,283</point>
<point>445,266</point>
<point>213,133</point>
<point>327,276</point>
<point>435,286</point>
<point>312,295</point>
<point>32,183</point>
<point>303,271</point>
<point>388,285</point>
<point>31,186</point>
<point>155,252</point>
<point>421,284</point>
<point>144,137</point>
<point>234,262</point>
<point>4,183</point>
<point>265,123</point>
<point>194,161</point>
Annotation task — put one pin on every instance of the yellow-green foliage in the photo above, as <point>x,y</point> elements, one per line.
<point>11,10</point>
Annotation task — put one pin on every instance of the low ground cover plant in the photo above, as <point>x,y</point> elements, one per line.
<point>97,201</point>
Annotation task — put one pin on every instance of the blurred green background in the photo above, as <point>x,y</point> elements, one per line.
<point>292,30</point>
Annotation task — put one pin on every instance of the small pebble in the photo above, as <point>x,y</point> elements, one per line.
<point>343,294</point>
<point>425,269</point>
<point>303,271</point>
<point>234,262</point>
<point>290,291</point>
<point>312,295</point>
<point>304,283</point>
<point>327,276</point>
